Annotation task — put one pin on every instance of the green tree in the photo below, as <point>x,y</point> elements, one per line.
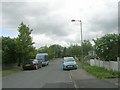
<point>8,50</point>
<point>0,50</point>
<point>64,52</point>
<point>106,47</point>
<point>87,46</point>
<point>24,43</point>
<point>73,50</point>
<point>56,50</point>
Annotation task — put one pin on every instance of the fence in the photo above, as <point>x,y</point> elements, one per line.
<point>109,65</point>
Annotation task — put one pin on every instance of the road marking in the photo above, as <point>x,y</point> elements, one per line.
<point>75,85</point>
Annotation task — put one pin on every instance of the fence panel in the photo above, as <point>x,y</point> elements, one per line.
<point>109,65</point>
<point>92,62</point>
<point>114,65</point>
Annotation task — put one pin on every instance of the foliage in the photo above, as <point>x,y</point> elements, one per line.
<point>73,50</point>
<point>8,50</point>
<point>87,46</point>
<point>18,49</point>
<point>64,52</point>
<point>57,51</point>
<point>0,50</point>
<point>99,72</point>
<point>54,51</point>
<point>11,71</point>
<point>106,47</point>
<point>24,43</point>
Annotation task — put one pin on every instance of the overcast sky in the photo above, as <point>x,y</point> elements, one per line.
<point>51,19</point>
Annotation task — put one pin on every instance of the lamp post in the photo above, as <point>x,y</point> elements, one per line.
<point>81,36</point>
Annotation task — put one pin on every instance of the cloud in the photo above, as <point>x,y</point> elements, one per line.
<point>105,20</point>
<point>51,20</point>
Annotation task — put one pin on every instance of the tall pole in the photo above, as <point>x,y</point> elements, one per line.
<point>81,42</point>
<point>81,39</point>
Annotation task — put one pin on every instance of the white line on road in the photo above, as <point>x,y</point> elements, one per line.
<point>75,85</point>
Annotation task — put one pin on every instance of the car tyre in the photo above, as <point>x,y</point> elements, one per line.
<point>41,66</point>
<point>75,68</point>
<point>36,67</point>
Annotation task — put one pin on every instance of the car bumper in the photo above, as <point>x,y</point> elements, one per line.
<point>44,63</point>
<point>28,67</point>
<point>69,67</point>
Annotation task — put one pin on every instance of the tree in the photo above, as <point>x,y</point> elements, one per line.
<point>8,50</point>
<point>64,52</point>
<point>87,46</point>
<point>106,47</point>
<point>73,50</point>
<point>0,50</point>
<point>24,43</point>
<point>54,51</point>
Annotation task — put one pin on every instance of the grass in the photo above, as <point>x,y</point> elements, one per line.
<point>100,72</point>
<point>11,71</point>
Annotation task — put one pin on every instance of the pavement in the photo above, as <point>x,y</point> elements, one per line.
<point>113,80</point>
<point>83,79</point>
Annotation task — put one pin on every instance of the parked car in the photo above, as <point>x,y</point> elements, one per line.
<point>45,63</point>
<point>43,57</point>
<point>39,63</point>
<point>69,63</point>
<point>31,64</point>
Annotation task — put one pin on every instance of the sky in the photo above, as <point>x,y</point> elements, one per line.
<point>51,19</point>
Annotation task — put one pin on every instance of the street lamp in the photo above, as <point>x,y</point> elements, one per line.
<point>81,35</point>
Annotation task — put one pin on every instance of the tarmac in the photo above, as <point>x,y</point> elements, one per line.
<point>83,79</point>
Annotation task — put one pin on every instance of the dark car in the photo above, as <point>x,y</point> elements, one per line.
<point>32,64</point>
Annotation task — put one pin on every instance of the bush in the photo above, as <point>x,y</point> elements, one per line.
<point>106,47</point>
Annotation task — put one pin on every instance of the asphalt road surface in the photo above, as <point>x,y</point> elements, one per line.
<point>52,76</point>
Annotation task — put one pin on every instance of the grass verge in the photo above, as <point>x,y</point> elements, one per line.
<point>100,72</point>
<point>11,71</point>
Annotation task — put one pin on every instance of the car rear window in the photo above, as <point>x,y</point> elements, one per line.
<point>29,62</point>
<point>69,60</point>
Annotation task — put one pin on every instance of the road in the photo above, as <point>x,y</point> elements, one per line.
<point>52,76</point>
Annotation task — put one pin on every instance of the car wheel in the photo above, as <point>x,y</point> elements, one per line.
<point>75,68</point>
<point>41,66</point>
<point>36,67</point>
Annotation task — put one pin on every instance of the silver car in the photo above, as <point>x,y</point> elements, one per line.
<point>69,63</point>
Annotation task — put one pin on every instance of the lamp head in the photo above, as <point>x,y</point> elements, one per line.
<point>72,20</point>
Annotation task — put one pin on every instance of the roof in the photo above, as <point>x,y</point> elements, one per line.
<point>42,54</point>
<point>68,58</point>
